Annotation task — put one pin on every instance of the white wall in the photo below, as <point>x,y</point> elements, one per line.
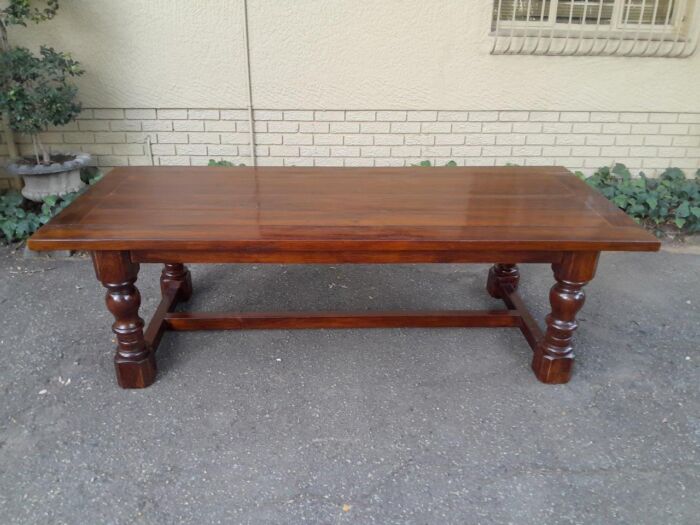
<point>340,54</point>
<point>356,83</point>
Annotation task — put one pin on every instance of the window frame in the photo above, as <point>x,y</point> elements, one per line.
<point>675,29</point>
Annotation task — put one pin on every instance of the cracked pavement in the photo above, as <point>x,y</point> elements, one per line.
<point>352,426</point>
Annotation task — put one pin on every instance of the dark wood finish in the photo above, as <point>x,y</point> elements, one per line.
<point>502,283</point>
<point>505,216</point>
<point>499,275</point>
<point>289,320</point>
<point>554,357</point>
<point>156,327</point>
<point>175,286</point>
<point>336,210</point>
<point>134,361</point>
<point>528,325</point>
<point>343,257</point>
<point>177,275</point>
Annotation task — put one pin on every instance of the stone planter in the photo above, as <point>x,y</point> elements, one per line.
<point>59,178</point>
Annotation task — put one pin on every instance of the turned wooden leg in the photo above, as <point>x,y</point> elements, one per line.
<point>554,356</point>
<point>134,361</point>
<point>500,274</point>
<point>176,274</point>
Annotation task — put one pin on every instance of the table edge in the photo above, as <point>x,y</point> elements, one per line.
<point>375,246</point>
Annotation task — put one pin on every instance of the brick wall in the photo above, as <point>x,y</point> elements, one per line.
<point>579,140</point>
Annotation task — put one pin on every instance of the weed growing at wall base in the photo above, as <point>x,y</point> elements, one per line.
<point>669,201</point>
<point>223,163</point>
<point>427,164</point>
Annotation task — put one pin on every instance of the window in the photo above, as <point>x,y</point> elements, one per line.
<point>595,27</point>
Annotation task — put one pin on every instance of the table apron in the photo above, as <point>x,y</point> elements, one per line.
<point>350,256</point>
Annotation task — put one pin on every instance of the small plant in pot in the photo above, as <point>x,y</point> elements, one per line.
<point>36,92</point>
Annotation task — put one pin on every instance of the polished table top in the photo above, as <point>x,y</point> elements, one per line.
<point>208,208</point>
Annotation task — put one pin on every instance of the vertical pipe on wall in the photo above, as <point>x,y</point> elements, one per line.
<point>251,120</point>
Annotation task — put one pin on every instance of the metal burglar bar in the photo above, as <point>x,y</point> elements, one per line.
<point>660,28</point>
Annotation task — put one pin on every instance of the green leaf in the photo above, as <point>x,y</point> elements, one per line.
<point>425,164</point>
<point>8,229</point>
<point>12,198</point>
<point>683,210</point>
<point>636,210</point>
<point>22,229</point>
<point>622,171</point>
<point>670,199</point>
<point>620,201</point>
<point>51,200</point>
<point>451,164</point>
<point>220,163</point>
<point>608,192</point>
<point>673,174</point>
<point>97,178</point>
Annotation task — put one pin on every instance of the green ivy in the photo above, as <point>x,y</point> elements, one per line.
<point>20,218</point>
<point>427,164</point>
<point>657,203</point>
<point>223,163</point>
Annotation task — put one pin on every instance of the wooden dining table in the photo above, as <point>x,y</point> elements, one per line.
<point>503,216</point>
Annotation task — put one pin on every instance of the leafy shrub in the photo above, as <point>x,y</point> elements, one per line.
<point>669,200</point>
<point>35,91</point>
<point>223,163</point>
<point>427,164</point>
<point>18,12</point>
<point>20,218</point>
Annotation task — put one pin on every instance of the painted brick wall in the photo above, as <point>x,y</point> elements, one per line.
<point>580,140</point>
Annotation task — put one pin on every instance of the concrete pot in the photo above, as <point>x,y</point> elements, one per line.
<point>58,178</point>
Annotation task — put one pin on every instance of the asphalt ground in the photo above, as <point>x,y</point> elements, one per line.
<point>352,426</point>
